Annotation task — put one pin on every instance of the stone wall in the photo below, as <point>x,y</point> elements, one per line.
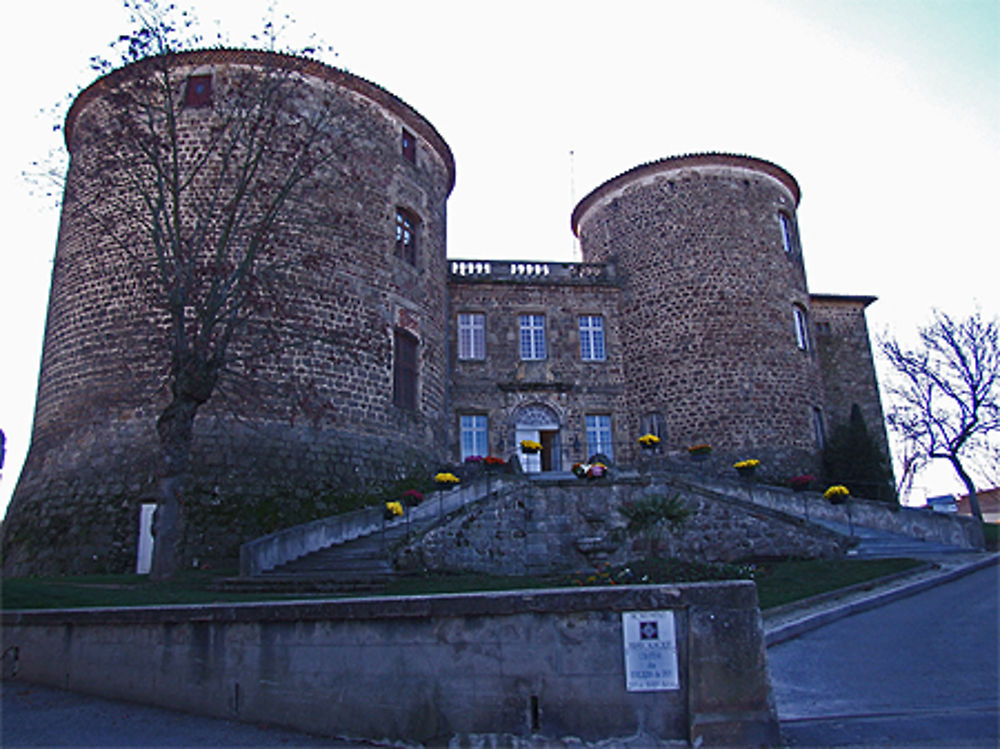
<point>575,525</point>
<point>475,669</point>
<point>305,404</point>
<point>707,315</point>
<point>248,481</point>
<point>845,356</point>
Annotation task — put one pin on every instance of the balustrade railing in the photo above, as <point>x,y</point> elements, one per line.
<point>531,271</point>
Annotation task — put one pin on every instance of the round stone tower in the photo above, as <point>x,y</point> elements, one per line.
<point>714,312</point>
<point>338,382</point>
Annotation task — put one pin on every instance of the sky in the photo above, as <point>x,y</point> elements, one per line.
<point>887,113</point>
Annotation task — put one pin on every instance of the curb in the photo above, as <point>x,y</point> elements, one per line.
<point>807,623</point>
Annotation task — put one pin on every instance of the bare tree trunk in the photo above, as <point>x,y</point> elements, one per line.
<point>174,427</point>
<point>969,486</point>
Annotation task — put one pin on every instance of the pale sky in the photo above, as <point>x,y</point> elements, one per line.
<point>887,112</point>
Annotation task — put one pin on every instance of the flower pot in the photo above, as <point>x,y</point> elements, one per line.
<point>699,457</point>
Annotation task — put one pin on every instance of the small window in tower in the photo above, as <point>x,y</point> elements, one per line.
<point>404,370</point>
<point>819,427</point>
<point>789,233</point>
<point>801,327</point>
<point>409,143</point>
<point>198,92</point>
<point>406,235</point>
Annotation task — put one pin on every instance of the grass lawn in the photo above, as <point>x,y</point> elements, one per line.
<point>777,583</point>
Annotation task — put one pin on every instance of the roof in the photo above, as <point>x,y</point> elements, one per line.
<point>989,501</point>
<point>305,65</point>
<point>672,163</point>
<point>861,299</point>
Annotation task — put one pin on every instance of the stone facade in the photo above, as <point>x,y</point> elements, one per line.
<point>845,357</point>
<point>689,317</point>
<point>296,418</point>
<point>575,525</point>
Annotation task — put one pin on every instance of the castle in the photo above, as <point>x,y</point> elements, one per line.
<point>689,317</point>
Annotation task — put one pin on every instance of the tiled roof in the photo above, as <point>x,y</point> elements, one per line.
<point>680,162</point>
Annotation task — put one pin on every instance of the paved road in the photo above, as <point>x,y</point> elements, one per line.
<point>922,671</point>
<point>39,716</point>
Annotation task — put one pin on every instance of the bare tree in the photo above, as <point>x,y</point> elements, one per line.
<point>946,398</point>
<point>213,201</point>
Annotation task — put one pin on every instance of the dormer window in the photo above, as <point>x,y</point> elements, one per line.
<point>409,146</point>
<point>198,92</point>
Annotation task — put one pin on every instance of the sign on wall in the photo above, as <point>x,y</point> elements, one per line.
<point>650,640</point>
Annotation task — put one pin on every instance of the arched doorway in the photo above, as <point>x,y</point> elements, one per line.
<point>539,423</point>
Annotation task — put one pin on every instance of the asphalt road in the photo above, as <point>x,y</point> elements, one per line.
<point>39,716</point>
<point>922,671</point>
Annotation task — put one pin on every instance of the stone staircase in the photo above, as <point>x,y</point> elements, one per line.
<point>360,565</point>
<point>881,544</point>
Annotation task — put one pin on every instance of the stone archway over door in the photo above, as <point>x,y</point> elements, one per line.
<point>538,423</point>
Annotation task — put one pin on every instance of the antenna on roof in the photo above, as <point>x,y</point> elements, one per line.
<point>576,254</point>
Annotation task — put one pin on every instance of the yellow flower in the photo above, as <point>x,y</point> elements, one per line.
<point>531,445</point>
<point>751,463</point>
<point>446,478</point>
<point>837,490</point>
<point>396,508</point>
<point>649,440</point>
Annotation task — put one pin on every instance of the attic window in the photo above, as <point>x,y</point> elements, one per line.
<point>409,145</point>
<point>198,92</point>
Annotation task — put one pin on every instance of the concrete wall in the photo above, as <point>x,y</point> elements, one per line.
<point>425,669</point>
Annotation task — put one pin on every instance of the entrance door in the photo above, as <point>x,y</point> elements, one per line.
<point>550,449</point>
<point>531,463</point>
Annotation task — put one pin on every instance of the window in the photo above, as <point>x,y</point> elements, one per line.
<point>654,423</point>
<point>789,232</point>
<point>404,374</point>
<point>406,235</point>
<point>198,92</point>
<point>474,436</point>
<point>472,335</point>
<point>820,429</point>
<point>532,336</point>
<point>592,338</point>
<point>801,328</point>
<point>599,435</point>
<point>409,146</point>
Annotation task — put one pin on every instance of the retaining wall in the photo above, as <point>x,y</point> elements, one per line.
<point>545,664</point>
<point>575,524</point>
<point>955,530</point>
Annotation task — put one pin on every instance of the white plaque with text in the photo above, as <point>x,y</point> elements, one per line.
<point>650,651</point>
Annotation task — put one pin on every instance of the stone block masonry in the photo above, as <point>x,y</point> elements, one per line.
<point>575,525</point>
<point>508,667</point>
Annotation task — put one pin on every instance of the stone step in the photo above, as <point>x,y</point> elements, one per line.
<point>303,583</point>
